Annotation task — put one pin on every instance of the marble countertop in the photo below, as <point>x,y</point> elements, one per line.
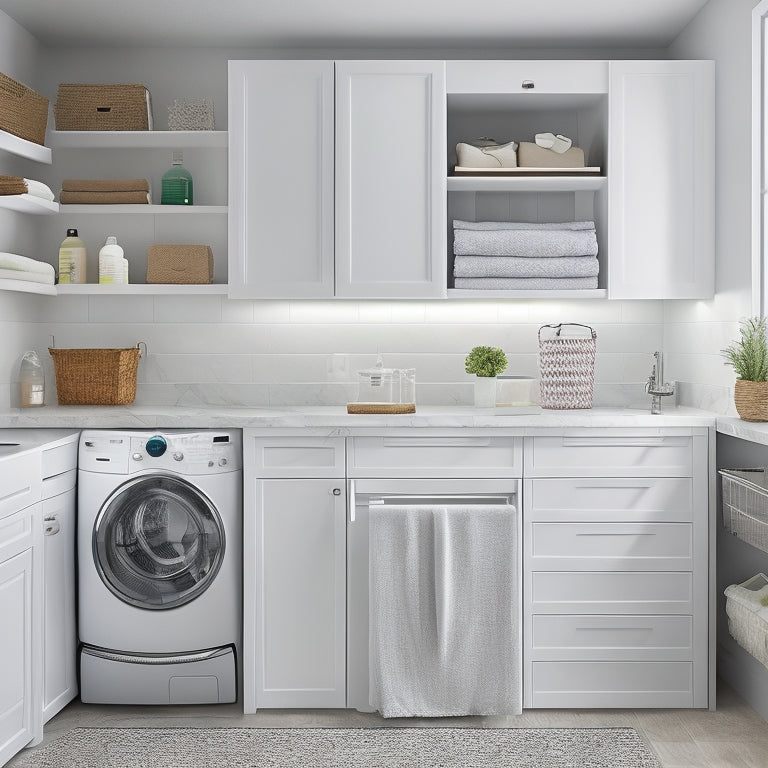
<point>336,420</point>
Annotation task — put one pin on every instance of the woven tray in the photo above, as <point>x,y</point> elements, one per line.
<point>179,264</point>
<point>23,112</point>
<point>96,376</point>
<point>114,107</point>
<point>381,408</point>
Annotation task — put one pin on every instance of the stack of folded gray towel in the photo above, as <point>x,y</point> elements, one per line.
<point>501,255</point>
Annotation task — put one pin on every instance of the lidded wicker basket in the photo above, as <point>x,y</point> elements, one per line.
<point>567,366</point>
<point>96,376</point>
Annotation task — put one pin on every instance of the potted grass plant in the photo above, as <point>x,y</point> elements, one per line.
<point>486,363</point>
<point>749,358</point>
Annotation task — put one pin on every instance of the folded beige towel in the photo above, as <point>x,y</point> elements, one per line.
<point>103,198</point>
<point>13,185</point>
<point>105,185</point>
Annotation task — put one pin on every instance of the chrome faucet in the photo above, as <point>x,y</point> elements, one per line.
<point>656,386</point>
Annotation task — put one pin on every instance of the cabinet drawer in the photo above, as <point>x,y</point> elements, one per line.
<point>60,459</point>
<point>611,684</point>
<point>20,482</point>
<point>606,454</point>
<point>610,592</point>
<point>579,77</point>
<point>435,457</point>
<point>17,531</point>
<point>610,546</point>
<point>610,499</point>
<point>612,638</point>
<point>294,457</point>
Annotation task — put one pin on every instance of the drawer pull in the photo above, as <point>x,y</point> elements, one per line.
<point>615,442</point>
<point>14,494</point>
<point>434,442</point>
<point>618,533</point>
<point>639,484</point>
<point>614,629</point>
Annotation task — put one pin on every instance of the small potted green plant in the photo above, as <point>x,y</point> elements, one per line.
<point>486,363</point>
<point>749,358</point>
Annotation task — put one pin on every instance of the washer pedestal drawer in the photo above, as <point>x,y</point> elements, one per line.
<point>209,680</point>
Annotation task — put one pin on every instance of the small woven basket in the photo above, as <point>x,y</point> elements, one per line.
<point>567,367</point>
<point>751,400</point>
<point>96,376</point>
<point>23,112</point>
<point>113,107</point>
<point>180,264</point>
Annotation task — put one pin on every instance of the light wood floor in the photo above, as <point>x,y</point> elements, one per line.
<point>734,736</point>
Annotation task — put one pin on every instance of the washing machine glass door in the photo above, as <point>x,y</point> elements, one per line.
<point>158,542</point>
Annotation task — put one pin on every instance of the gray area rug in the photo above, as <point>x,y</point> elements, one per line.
<point>342,748</point>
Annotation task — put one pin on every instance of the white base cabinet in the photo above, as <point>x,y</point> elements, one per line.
<point>616,558</point>
<point>616,599</point>
<point>295,573</point>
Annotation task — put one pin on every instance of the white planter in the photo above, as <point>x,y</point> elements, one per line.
<point>485,392</point>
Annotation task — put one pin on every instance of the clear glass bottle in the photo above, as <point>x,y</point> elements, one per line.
<point>31,381</point>
<point>176,186</point>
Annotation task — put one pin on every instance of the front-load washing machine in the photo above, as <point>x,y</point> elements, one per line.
<point>159,565</point>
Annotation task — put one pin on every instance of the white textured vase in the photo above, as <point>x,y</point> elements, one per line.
<point>485,392</point>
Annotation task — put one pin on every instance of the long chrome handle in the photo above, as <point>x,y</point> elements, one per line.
<point>352,501</point>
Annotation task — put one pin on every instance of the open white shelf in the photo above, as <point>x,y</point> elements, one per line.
<point>148,209</point>
<point>139,289</point>
<point>525,183</point>
<point>137,139</point>
<point>24,148</point>
<point>24,286</point>
<point>28,204</point>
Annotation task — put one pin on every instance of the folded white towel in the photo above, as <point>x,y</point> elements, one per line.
<point>511,266</point>
<point>24,263</point>
<point>38,189</point>
<point>525,243</point>
<point>29,277</point>
<point>526,283</point>
<point>494,225</point>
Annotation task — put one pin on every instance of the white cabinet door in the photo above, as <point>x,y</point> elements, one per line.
<point>300,611</point>
<point>390,179</point>
<point>661,180</point>
<point>16,651</point>
<point>280,179</point>
<point>60,635</point>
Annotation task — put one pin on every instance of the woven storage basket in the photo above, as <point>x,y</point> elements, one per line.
<point>96,376</point>
<point>116,107</point>
<point>179,263</point>
<point>23,112</point>
<point>567,367</point>
<point>751,399</point>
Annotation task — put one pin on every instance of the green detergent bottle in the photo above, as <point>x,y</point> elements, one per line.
<point>177,183</point>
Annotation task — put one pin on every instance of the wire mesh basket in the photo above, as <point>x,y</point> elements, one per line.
<point>567,365</point>
<point>745,505</point>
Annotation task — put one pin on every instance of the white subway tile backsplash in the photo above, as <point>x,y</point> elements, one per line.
<point>212,351</point>
<point>119,309</point>
<point>187,309</point>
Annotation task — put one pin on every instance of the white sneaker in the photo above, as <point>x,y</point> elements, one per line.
<point>556,142</point>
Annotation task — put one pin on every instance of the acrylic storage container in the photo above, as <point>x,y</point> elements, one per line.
<point>385,390</point>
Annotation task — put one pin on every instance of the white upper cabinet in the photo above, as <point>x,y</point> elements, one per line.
<point>389,191</point>
<point>390,179</point>
<point>281,179</point>
<point>661,180</point>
